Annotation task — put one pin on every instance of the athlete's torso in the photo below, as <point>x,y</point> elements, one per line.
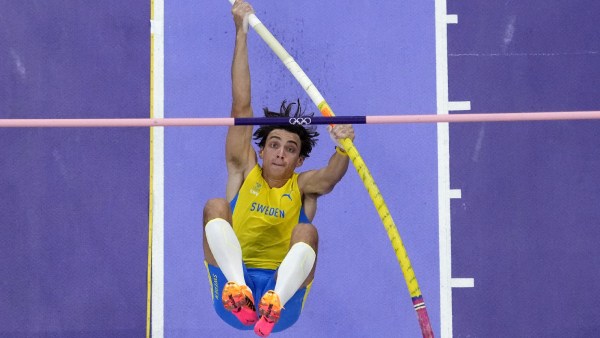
<point>264,217</point>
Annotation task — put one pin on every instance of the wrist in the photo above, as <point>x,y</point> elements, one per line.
<point>340,151</point>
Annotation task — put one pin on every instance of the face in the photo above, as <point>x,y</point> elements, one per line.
<point>281,154</point>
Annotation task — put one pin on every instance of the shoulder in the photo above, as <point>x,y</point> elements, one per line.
<point>305,178</point>
<point>235,180</point>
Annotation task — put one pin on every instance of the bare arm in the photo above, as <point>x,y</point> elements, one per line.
<point>240,156</point>
<point>322,181</point>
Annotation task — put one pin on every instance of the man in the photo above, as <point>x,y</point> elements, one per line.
<point>259,242</point>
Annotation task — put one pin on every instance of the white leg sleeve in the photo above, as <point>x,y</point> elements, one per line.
<point>294,269</point>
<point>226,249</point>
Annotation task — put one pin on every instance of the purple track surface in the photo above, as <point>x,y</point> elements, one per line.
<point>528,225</point>
<point>74,202</point>
<point>73,206</point>
<point>366,59</point>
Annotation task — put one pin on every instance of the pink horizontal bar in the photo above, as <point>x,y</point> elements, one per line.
<point>228,121</point>
<point>492,117</point>
<point>133,122</point>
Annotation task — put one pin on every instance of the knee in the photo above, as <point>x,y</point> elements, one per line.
<point>307,233</point>
<point>216,208</point>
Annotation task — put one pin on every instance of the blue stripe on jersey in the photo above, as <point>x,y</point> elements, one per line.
<point>233,202</point>
<point>303,218</point>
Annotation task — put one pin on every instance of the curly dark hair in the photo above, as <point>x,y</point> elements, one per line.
<point>308,134</point>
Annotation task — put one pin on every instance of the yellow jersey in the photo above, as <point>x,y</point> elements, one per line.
<point>264,217</point>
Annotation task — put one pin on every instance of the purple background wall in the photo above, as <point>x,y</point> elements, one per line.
<point>73,217</point>
<point>73,202</point>
<point>366,58</point>
<point>528,225</point>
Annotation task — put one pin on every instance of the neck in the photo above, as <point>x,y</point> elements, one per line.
<point>275,182</point>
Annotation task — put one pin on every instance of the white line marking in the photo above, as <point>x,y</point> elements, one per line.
<point>158,219</point>
<point>463,282</point>
<point>459,105</point>
<point>443,147</point>
<point>455,193</point>
<point>445,194</point>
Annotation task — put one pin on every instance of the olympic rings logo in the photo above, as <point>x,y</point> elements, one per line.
<point>300,121</point>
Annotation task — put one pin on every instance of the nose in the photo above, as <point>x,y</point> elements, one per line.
<point>280,152</point>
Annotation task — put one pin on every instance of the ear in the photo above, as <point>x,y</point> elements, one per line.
<point>300,161</point>
<point>260,153</point>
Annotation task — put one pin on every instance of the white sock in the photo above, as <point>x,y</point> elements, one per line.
<point>226,249</point>
<point>294,269</point>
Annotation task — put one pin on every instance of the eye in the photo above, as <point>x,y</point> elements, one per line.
<point>291,150</point>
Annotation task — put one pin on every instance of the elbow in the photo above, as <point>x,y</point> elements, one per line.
<point>326,189</point>
<point>240,105</point>
<point>241,109</point>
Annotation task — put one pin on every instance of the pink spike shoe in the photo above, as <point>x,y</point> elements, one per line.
<point>270,311</point>
<point>238,300</point>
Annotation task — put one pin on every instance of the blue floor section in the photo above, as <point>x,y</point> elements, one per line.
<point>74,201</point>
<point>526,227</point>
<point>366,59</point>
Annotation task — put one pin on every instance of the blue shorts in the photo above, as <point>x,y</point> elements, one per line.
<point>259,281</point>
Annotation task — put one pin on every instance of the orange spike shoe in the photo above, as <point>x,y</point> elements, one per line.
<point>270,311</point>
<point>238,300</point>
